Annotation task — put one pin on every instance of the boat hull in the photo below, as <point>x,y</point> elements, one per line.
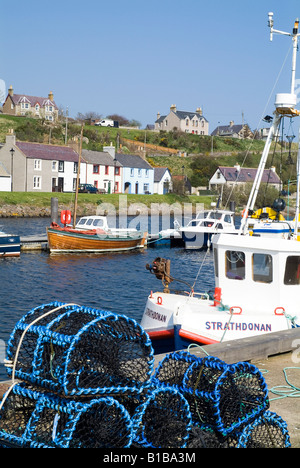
<point>173,322</point>
<point>60,240</point>
<point>10,246</point>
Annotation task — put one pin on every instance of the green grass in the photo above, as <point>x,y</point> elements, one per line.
<point>44,199</point>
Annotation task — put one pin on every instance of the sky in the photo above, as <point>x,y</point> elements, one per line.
<point>136,58</point>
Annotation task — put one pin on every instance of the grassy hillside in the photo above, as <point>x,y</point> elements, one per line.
<point>28,129</point>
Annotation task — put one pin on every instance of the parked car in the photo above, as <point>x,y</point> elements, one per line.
<point>87,188</point>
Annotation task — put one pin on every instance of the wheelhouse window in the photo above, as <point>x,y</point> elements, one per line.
<point>235,264</point>
<point>262,268</point>
<point>292,270</point>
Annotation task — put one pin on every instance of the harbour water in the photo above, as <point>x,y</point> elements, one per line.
<point>116,282</point>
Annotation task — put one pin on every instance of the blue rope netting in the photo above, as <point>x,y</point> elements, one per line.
<point>88,380</point>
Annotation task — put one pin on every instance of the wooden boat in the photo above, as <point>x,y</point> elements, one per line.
<point>66,239</point>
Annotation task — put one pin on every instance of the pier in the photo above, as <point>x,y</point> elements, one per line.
<point>38,242</point>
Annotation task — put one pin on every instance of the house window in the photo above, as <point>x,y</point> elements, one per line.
<point>96,169</point>
<point>235,264</point>
<point>140,172</point>
<point>54,166</point>
<point>96,183</point>
<point>75,168</point>
<point>146,188</point>
<point>262,268</point>
<point>106,170</point>
<point>61,166</point>
<point>187,122</point>
<point>37,164</point>
<point>117,171</point>
<point>37,181</point>
<point>147,173</point>
<point>131,172</point>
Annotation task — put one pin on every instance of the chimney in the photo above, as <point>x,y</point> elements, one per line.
<point>158,115</point>
<point>11,91</point>
<point>111,150</point>
<point>273,169</point>
<point>199,111</point>
<point>173,108</point>
<point>237,167</point>
<point>231,123</point>
<point>10,138</point>
<point>50,96</point>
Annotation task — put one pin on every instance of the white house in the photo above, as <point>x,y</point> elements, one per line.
<point>237,175</point>
<point>162,180</point>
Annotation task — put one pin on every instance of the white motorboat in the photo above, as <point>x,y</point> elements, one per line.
<point>257,277</point>
<point>198,232</point>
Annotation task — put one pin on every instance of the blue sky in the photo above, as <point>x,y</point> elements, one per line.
<point>136,58</point>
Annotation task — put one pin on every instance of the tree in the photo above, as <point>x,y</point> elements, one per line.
<point>203,168</point>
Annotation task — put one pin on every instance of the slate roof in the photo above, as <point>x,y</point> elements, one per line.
<point>16,98</point>
<point>99,157</point>
<point>247,174</point>
<point>159,173</point>
<point>182,115</point>
<point>130,160</point>
<point>48,152</point>
<point>227,130</point>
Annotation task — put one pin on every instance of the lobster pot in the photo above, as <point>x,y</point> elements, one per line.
<point>163,420</point>
<point>267,431</point>
<point>33,419</point>
<point>224,397</point>
<point>73,350</point>
<point>172,368</point>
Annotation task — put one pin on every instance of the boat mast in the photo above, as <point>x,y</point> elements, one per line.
<point>284,104</point>
<point>78,177</point>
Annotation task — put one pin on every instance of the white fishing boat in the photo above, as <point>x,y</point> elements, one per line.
<point>257,278</point>
<point>100,223</point>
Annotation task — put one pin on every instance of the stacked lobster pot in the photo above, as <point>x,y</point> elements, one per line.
<point>85,378</point>
<point>228,402</point>
<point>67,363</point>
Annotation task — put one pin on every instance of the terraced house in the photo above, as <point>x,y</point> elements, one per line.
<point>35,167</point>
<point>33,106</point>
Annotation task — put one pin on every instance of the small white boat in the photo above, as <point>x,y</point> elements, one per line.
<point>10,245</point>
<point>198,232</point>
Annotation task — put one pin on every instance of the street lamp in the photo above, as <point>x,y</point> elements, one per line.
<point>12,151</point>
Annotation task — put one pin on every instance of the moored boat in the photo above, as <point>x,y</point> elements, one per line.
<point>66,239</point>
<point>10,245</point>
<point>257,277</point>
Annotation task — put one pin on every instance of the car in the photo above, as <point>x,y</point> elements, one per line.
<point>87,188</point>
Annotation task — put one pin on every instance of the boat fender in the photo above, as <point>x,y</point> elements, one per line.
<point>217,296</point>
<point>282,309</point>
<point>159,300</point>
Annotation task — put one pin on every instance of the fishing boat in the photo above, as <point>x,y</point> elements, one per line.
<point>257,278</point>
<point>10,245</point>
